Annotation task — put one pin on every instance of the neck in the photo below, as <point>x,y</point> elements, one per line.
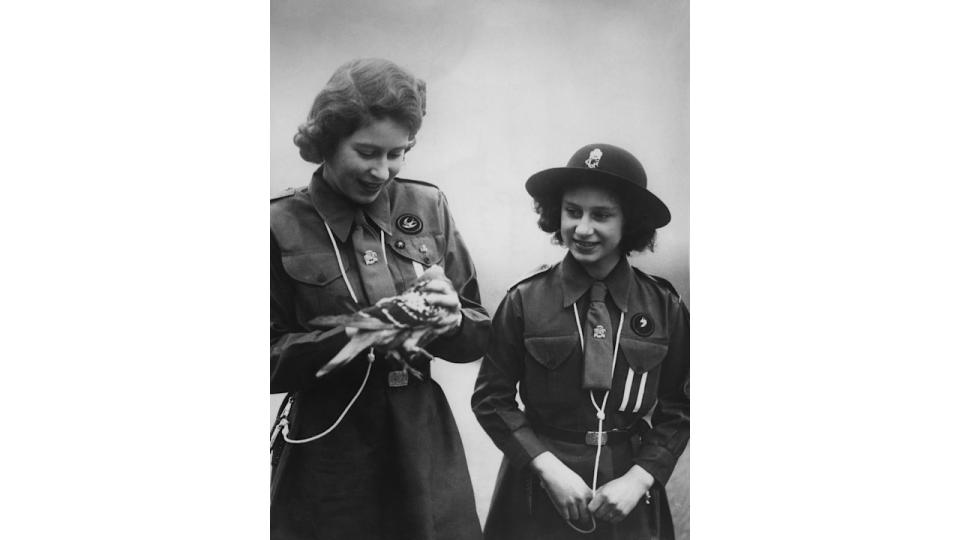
<point>601,269</point>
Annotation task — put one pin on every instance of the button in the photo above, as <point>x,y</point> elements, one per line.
<point>400,244</point>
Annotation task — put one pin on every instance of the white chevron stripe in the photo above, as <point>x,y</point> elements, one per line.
<point>643,383</point>
<point>626,390</point>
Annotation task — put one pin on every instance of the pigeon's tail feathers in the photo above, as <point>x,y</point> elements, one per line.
<point>361,322</point>
<point>355,346</point>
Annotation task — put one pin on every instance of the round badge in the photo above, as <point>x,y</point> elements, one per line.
<point>642,324</point>
<point>409,224</point>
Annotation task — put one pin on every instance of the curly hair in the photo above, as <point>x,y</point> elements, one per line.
<point>636,235</point>
<point>360,92</point>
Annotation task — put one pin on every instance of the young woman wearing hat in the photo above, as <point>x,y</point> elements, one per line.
<point>601,354</point>
<point>366,451</point>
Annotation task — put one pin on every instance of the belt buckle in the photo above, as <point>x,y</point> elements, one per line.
<point>397,379</point>
<point>596,437</point>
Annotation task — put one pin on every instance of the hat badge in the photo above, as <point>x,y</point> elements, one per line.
<point>594,160</point>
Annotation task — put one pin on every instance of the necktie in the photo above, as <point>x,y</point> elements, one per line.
<point>598,345</point>
<point>374,272</point>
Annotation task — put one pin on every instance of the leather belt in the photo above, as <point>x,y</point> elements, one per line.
<point>591,438</point>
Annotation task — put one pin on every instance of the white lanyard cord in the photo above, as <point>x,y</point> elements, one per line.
<point>600,408</point>
<point>284,422</point>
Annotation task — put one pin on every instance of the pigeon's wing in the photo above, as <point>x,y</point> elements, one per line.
<point>357,344</point>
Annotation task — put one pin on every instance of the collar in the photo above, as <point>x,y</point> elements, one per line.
<point>338,211</point>
<point>575,282</point>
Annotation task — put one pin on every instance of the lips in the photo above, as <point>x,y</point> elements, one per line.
<point>585,246</point>
<point>370,187</point>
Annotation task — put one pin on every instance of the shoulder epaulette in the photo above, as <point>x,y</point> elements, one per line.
<point>285,193</point>
<point>411,181</point>
<point>533,273</point>
<point>659,281</point>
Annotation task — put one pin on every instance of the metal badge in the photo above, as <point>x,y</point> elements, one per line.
<point>599,332</point>
<point>594,160</point>
<point>409,223</point>
<point>370,257</point>
<point>397,379</point>
<point>423,249</point>
<point>642,324</point>
<point>593,437</point>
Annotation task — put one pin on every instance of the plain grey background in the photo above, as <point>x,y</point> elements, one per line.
<point>512,88</point>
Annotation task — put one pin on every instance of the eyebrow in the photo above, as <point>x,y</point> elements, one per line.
<point>371,146</point>
<point>602,207</point>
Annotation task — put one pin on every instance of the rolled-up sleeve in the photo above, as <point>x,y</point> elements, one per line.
<point>495,396</point>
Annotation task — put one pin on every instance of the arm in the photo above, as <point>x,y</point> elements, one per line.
<point>495,396</point>
<point>495,405</point>
<point>466,343</point>
<point>662,446</point>
<point>295,354</point>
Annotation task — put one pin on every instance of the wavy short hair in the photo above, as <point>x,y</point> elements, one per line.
<point>636,236</point>
<point>358,93</point>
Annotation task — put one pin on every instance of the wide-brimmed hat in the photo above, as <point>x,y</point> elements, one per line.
<point>610,166</point>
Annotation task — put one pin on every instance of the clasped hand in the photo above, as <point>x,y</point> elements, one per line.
<point>574,500</point>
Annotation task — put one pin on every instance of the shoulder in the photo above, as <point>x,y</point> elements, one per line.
<point>658,283</point>
<point>534,276</point>
<point>416,186</point>
<point>283,194</point>
<point>288,204</point>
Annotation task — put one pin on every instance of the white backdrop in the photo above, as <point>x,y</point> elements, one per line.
<point>513,87</point>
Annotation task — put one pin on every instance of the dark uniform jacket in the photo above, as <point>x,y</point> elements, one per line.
<point>394,467</point>
<point>535,343</point>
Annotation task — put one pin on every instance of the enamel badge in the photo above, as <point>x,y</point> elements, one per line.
<point>642,324</point>
<point>599,332</point>
<point>409,224</point>
<point>594,160</point>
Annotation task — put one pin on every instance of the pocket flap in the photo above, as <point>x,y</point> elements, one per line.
<point>314,268</point>
<point>551,352</point>
<point>643,355</point>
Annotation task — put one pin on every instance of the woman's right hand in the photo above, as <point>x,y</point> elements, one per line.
<point>568,492</point>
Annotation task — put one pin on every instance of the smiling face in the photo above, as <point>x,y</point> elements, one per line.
<point>365,161</point>
<point>591,226</point>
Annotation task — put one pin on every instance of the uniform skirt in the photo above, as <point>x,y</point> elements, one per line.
<point>393,469</point>
<point>522,510</point>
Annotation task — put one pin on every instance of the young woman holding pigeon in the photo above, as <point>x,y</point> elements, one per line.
<point>601,354</point>
<point>369,448</point>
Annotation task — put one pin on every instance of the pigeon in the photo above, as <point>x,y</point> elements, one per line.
<point>398,325</point>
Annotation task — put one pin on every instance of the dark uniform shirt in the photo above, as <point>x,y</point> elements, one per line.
<point>394,467</point>
<point>535,342</point>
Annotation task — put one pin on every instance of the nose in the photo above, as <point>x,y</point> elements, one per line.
<point>584,227</point>
<point>381,170</point>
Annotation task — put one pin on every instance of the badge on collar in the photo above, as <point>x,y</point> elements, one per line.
<point>409,224</point>
<point>642,324</point>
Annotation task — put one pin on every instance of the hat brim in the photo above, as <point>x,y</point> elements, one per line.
<point>653,212</point>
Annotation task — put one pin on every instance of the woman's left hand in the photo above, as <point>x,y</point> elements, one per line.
<point>440,293</point>
<point>618,497</point>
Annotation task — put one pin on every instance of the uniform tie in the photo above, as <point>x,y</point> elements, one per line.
<point>598,347</point>
<point>374,272</point>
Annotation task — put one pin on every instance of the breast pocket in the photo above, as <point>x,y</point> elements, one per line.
<point>552,373</point>
<point>321,288</point>
<point>638,392</point>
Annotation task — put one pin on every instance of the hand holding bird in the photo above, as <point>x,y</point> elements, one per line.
<point>399,325</point>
